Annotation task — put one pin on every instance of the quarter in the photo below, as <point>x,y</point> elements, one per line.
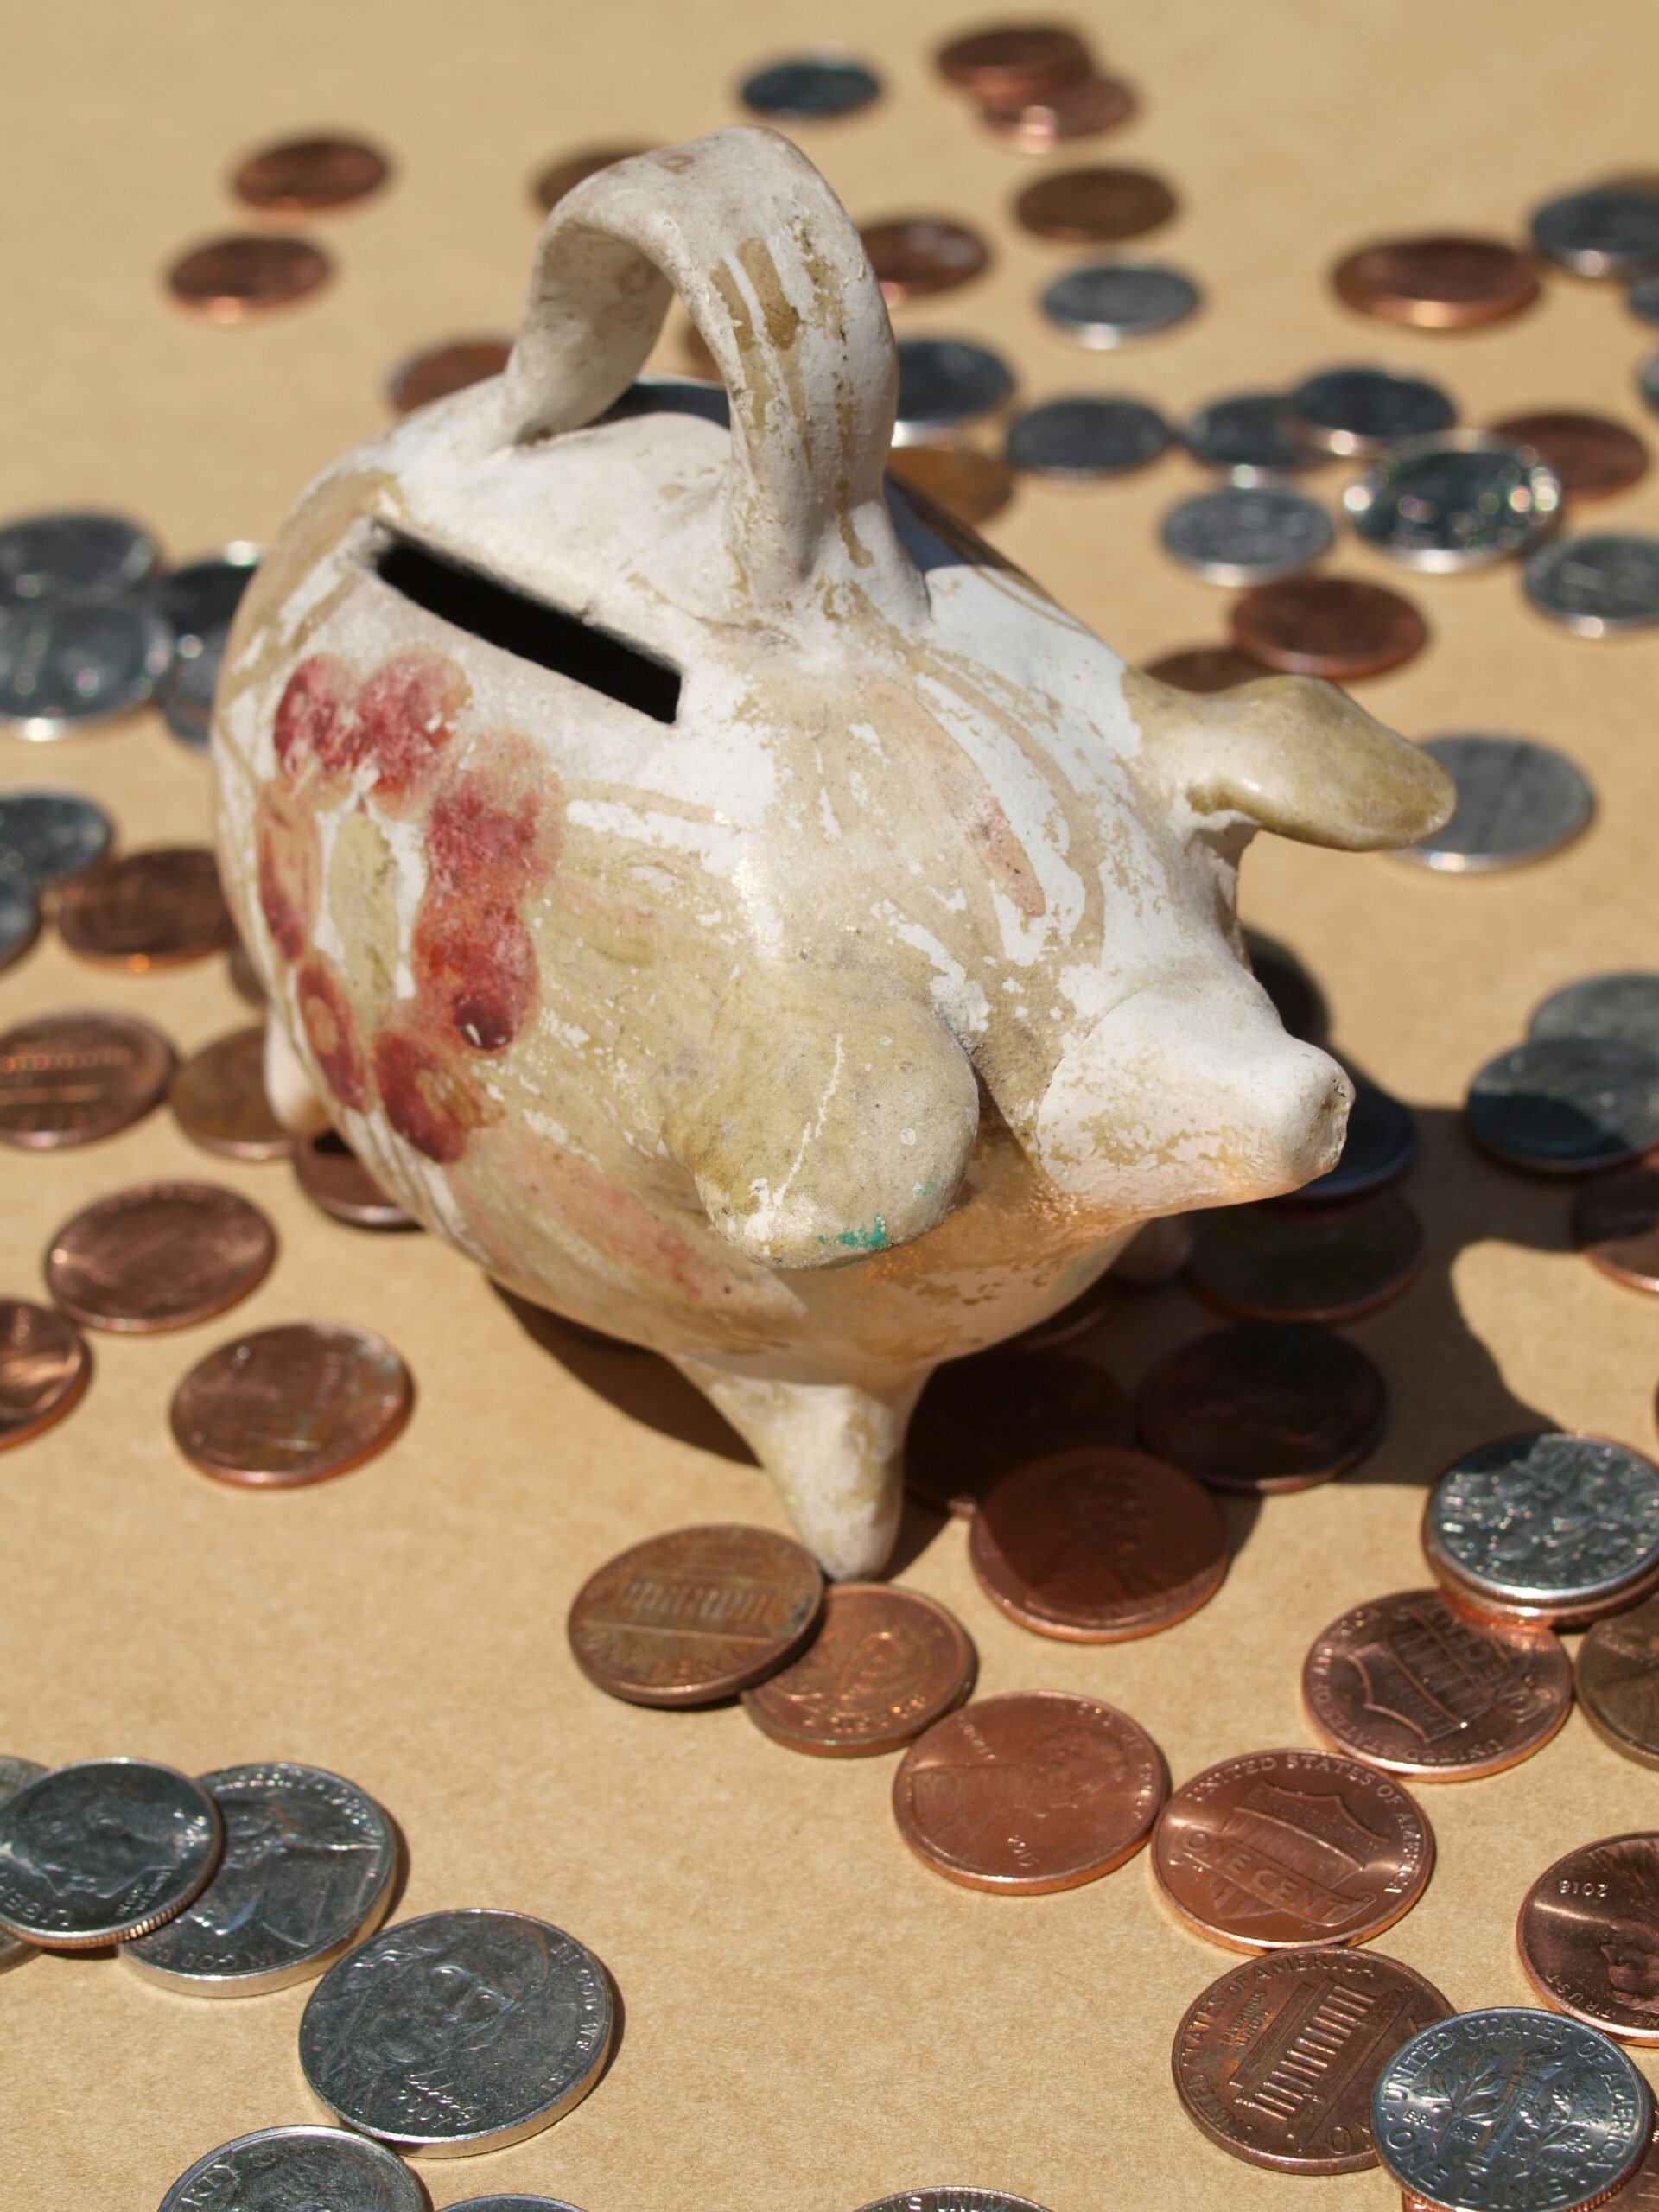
<point>1248,436</point>
<point>1597,586</point>
<point>282,2169</point>
<point>67,664</point>
<point>1609,231</point>
<point>1264,1407</point>
<point>1361,411</point>
<point>945,383</point>
<point>1623,1006</point>
<point>809,88</point>
<point>73,555</point>
<point>1588,1936</point>
<point>1551,1527</point>
<point>1378,1147</point>
<point>884,1664</point>
<point>14,1773</point>
<point>1457,500</point>
<point>103,1851</point>
<point>159,1256</point>
<point>46,837</point>
<point>19,921</point>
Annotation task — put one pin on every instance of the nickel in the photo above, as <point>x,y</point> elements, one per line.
<point>291,1405</point>
<point>1084,438</point>
<point>884,1664</point>
<point>1518,801</point>
<point>1598,586</point>
<point>1264,1407</point>
<point>20,921</point>
<point>101,1851</point>
<point>294,2168</point>
<point>1108,303</point>
<point>67,664</point>
<point>1362,411</point>
<point>1609,231</point>
<point>1246,534</point>
<point>47,835</point>
<point>1623,1006</point>
<point>160,1255</point>
<point>1248,436</point>
<point>809,88</point>
<point>74,555</point>
<point>1454,501</point>
<point>945,383</point>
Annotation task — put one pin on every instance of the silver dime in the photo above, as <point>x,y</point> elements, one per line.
<point>1249,436</point>
<point>68,663</point>
<point>1456,500</point>
<point>1566,1105</point>
<point>186,698</point>
<point>103,1851</point>
<point>944,382</point>
<point>296,2170</point>
<point>951,2200</point>
<point>19,921</point>
<point>307,1872</point>
<point>14,1773</point>
<point>47,836</point>
<point>1364,410</point>
<point>1624,1006</point>
<point>1597,586</point>
<point>808,87</point>
<point>1510,2110</point>
<point>1610,231</point>
<point>72,555</point>
<point>1517,801</point>
<point>202,595</point>
<point>1245,534</point>
<point>1549,1522</point>
<point>1643,299</point>
<point>1111,302</point>
<point>459,2032</point>
<point>1087,436</point>
<point>1380,1146</point>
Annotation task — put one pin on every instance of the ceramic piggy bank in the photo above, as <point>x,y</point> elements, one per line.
<point>723,897</point>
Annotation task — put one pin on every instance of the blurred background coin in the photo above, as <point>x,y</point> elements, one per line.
<point>14,1773</point>
<point>1086,437</point>
<point>1108,303</point>
<point>218,1099</point>
<point>149,909</point>
<point>227,279</point>
<point>1013,61</point>
<point>1623,1005</point>
<point>571,169</point>
<point>19,921</point>
<point>1361,411</point>
<point>1248,436</point>
<point>1335,627</point>
<point>1592,456</point>
<point>1095,206</point>
<point>1617,1674</point>
<point>44,1369</point>
<point>914,256</point>
<point>1085,109</point>
<point>159,1256</point>
<point>969,485</point>
<point>1597,586</point>
<point>103,1851</point>
<point>73,1079</point>
<point>234,1415</point>
<point>945,383</point>
<point>67,664</point>
<point>1517,801</point>
<point>1437,282</point>
<point>335,1181</point>
<point>199,597</point>
<point>1264,1407</point>
<point>1647,380</point>
<point>186,692</point>
<point>1551,1527</point>
<point>1566,1105</point>
<point>1616,1224</point>
<point>883,1664</point>
<point>809,88</point>
<point>1585,1934</point>
<point>1378,1147</point>
<point>47,836</point>
<point>1456,500</point>
<point>1328,1264</point>
<point>437,371</point>
<point>1207,668</point>
<point>73,555</point>
<point>1643,298</point>
<point>310,176</point>
<point>1246,534</point>
<point>1609,231</point>
<point>285,2167</point>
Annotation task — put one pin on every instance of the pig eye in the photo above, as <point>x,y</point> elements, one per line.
<point>530,629</point>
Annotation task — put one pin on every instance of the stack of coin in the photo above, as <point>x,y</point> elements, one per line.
<point>199,599</point>
<point>1035,84</point>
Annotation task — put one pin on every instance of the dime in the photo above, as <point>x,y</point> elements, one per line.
<point>1082,439</point>
<point>19,921</point>
<point>200,598</point>
<point>1328,625</point>
<point>291,1405</point>
<point>1597,587</point>
<point>46,837</point>
<point>572,169</point>
<point>1616,1224</point>
<point>1457,500</point>
<point>1095,206</point>
<point>74,555</point>
<point>914,256</point>
<point>67,664</point>
<point>307,1872</point>
<point>1380,1145</point>
<point>696,1614</point>
<point>1248,438</point>
<point>1588,1936</point>
<point>434,373</point>
<point>149,909</point>
<point>459,2032</point>
<point>44,1369</point>
<point>292,2168</point>
<point>1246,534</point>
<point>952,2200</point>
<point>1362,411</point>
<point>1510,2110</point>
<point>1277,2059</point>
<point>1610,231</point>
<point>1591,455</point>
<point>308,176</point>
<point>1207,668</point>
<point>1517,801</point>
<point>228,279</point>
<point>335,1179</point>
<point>72,1078</point>
<point>809,88</point>
<point>1029,1793</point>
<point>1264,1407</point>
<point>969,485</point>
<point>1108,303</point>
<point>1623,1006</point>
<point>14,1773</point>
<point>1409,1684</point>
<point>1437,283</point>
<point>1085,109</point>
<point>980,1417</point>
<point>1096,1546</point>
<point>1314,1263</point>
<point>218,1099</point>
<point>1013,61</point>
<point>103,1851</point>
<point>1566,1105</point>
<point>160,1255</point>
<point>1280,1849</point>
<point>944,382</point>
<point>884,1664</point>
<point>1617,1675</point>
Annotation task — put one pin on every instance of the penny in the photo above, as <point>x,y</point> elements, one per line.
<point>1361,411</point>
<point>68,665</point>
<point>14,1773</point>
<point>1588,1936</point>
<point>1084,438</point>
<point>1314,1263</point>
<point>1207,668</point>
<point>103,1851</point>
<point>307,1872</point>
<point>696,1614</point>
<point>952,2200</point>
<point>199,597</point>
<point>1623,1006</point>
<point>1617,1672</point>
<point>1070,1323</point>
<point>285,2169</point>
<point>44,1369</point>
<point>884,1664</point>
<point>1616,1224</point>
<point>1277,2059</point>
<point>1279,1849</point>
<point>1248,438</point>
<point>72,1078</point>
<point>944,382</point>
<point>228,279</point>
<point>572,169</point>
<point>308,176</point>
<point>1566,1105</point>
<point>335,1179</point>
<point>1410,1684</point>
<point>1640,2191</point>
<point>20,921</point>
<point>1035,1792</point>
<point>914,256</point>
<point>1095,206</point>
<point>149,909</point>
<point>1334,627</point>
<point>1591,455</point>
<point>1437,283</point>
<point>160,1255</point>
<point>1013,62</point>
<point>1512,2108</point>
<point>291,1405</point>
<point>218,1099</point>
<point>979,1418</point>
<point>1609,231</point>
<point>1598,586</point>
<point>809,88</point>
<point>1518,801</point>
<point>1083,109</point>
<point>75,554</point>
<point>1460,499</point>
<point>1246,534</point>
<point>1264,1407</point>
<point>1098,1546</point>
<point>969,485</point>
<point>46,837</point>
<point>1107,303</point>
<point>1379,1145</point>
<point>440,370</point>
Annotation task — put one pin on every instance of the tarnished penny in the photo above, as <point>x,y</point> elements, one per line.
<point>969,485</point>
<point>1334,627</point>
<point>1283,1848</point>
<point>1207,668</point>
<point>103,1851</point>
<point>1617,1674</point>
<point>915,255</point>
<point>1083,109</point>
<point>1616,1224</point>
<point>571,169</point>
<point>1096,1546</point>
<point>980,1418</point>
<point>1437,283</point>
<point>1408,1683</point>
<point>1095,206</point>
<point>307,176</point>
<point>229,279</point>
<point>1593,455</point>
<point>1306,1263</point>
<point>150,909</point>
<point>1276,2060</point>
<point>1013,61</point>
<point>292,1405</point>
<point>1035,1792</point>
<point>72,1078</point>
<point>1588,1936</point>
<point>696,1614</point>
<point>335,1179</point>
<point>1267,1406</point>
<point>159,1256</point>
<point>44,1369</point>
<point>219,1098</point>
<point>441,370</point>
<point>884,1664</point>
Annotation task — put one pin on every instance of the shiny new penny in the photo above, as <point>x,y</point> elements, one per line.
<point>969,485</point>
<point>980,1418</point>
<point>1617,1673</point>
<point>441,370</point>
<point>218,1099</point>
<point>572,169</point>
<point>1095,206</point>
<point>1410,1684</point>
<point>1437,283</point>
<point>150,909</point>
<point>1280,1848</point>
<point>1616,1224</point>
<point>1593,455</point>
<point>1267,1405</point>
<point>1588,1936</point>
<point>884,1664</point>
<point>1207,668</point>
<point>335,1181</point>
<point>1276,2060</point>
<point>1028,1793</point>
<point>1334,627</point>
<point>72,1078</point>
<point>44,1369</point>
<point>916,255</point>
<point>1083,109</point>
<point>229,279</point>
<point>1313,1263</point>
<point>307,176</point>
<point>291,1405</point>
<point>696,1614</point>
<point>159,1256</point>
<point>1014,61</point>
<point>1096,1546</point>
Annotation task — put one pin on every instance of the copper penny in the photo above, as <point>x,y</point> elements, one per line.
<point>980,1418</point>
<point>1207,668</point>
<point>159,1256</point>
<point>1013,62</point>
<point>1281,1848</point>
<point>571,169</point>
<point>1408,1683</point>
<point>915,255</point>
<point>1639,2193</point>
<point>1306,1263</point>
<point>218,1099</point>
<point>1035,1792</point>
<point>1616,1224</point>
<point>72,1078</point>
<point>443,369</point>
<point>1617,1673</point>
<point>1437,283</point>
<point>1084,110</point>
<point>969,485</point>
<point>696,1614</point>
<point>1594,456</point>
<point>146,910</point>
<point>1588,1936</point>
<point>1074,1322</point>
<point>1267,1405</point>
<point>228,279</point>
<point>884,1664</point>
<point>334,1179</point>
<point>1095,206</point>
<point>1276,2060</point>
<point>43,1369</point>
<point>308,176</point>
<point>292,1405</point>
<point>1096,1546</point>
<point>1335,627</point>
<point>245,979</point>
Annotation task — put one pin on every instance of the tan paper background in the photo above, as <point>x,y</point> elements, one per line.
<point>811,2017</point>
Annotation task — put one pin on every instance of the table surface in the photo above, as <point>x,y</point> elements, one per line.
<point>811,2017</point>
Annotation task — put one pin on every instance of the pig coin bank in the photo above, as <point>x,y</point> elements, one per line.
<point>721,895</point>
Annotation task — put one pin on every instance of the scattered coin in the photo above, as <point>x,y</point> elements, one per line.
<point>1623,1006</point>
<point>1108,303</point>
<point>1207,668</point>
<point>952,2200</point>
<point>1587,1939</point>
<point>218,1099</point>
<point>1566,1105</point>
<point>149,909</point>
<point>1085,109</point>
<point>244,980</point>
<point>1454,501</point>
<point>1643,299</point>
<point>67,665</point>
<point>334,1179</point>
<point>19,921</point>
<point>1276,2060</point>
<point>440,370</point>
<point>283,2169</point>
<point>1647,380</point>
<point>160,1255</point>
<point>1280,1849</point>
<point>944,382</point>
<point>1264,1407</point>
<point>103,1851</point>
<point>886,1664</point>
<point>570,170</point>
<point>228,279</point>
<point>969,485</point>
<point>809,88</point>
<point>1248,436</point>
<point>1617,1672</point>
<point>915,256</point>
<point>1591,455</point>
<point>1081,439</point>
<point>1517,801</point>
<point>72,1078</point>
<point>46,837</point>
<point>308,176</point>
<point>1609,231</point>
<point>1616,1224</point>
<point>73,555</point>
<point>1334,627</point>
<point>43,1370</point>
<point>291,1405</point>
<point>1314,1263</point>
<point>186,697</point>
<point>1014,61</point>
<point>1032,1792</point>
<point>1380,1145</point>
<point>199,597</point>
<point>14,1773</point>
<point>1437,283</point>
<point>980,1418</point>
<point>1362,411</point>
<point>1640,2191</point>
<point>1246,534</point>
<point>1095,206</point>
<point>1597,587</point>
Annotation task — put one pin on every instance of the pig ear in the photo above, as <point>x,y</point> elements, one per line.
<point>833,1119</point>
<point>1294,756</point>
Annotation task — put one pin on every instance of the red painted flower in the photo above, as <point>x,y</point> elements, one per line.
<point>331,1026</point>
<point>290,868</point>
<point>475,970</point>
<point>316,719</point>
<point>429,1099</point>
<point>407,710</point>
